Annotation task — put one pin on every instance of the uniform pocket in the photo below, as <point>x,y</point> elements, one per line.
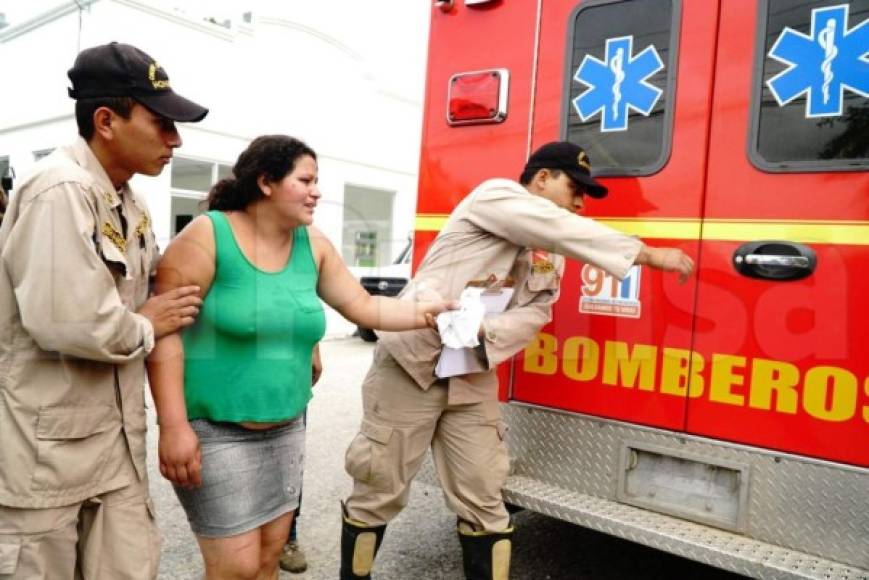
<point>366,458</point>
<point>500,463</point>
<point>72,443</point>
<point>154,538</point>
<point>9,550</point>
<point>112,248</point>
<point>501,426</point>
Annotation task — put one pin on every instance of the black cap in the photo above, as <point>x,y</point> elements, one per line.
<point>121,70</point>
<point>570,158</point>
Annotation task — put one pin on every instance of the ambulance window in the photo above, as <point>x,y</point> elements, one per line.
<point>619,84</point>
<point>811,105</point>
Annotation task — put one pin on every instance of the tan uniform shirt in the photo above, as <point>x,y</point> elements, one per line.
<point>72,347</point>
<point>495,231</point>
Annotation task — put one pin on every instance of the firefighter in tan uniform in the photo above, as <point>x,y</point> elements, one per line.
<point>502,230</point>
<point>76,253</point>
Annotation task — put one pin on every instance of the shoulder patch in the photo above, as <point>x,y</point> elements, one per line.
<point>540,262</point>
<point>115,236</point>
<point>142,228</point>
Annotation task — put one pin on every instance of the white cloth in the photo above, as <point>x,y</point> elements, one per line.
<point>460,328</point>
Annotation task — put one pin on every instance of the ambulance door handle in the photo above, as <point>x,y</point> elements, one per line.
<point>774,260</point>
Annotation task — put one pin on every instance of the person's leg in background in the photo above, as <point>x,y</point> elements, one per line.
<point>292,556</point>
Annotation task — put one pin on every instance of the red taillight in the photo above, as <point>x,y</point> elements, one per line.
<point>478,97</point>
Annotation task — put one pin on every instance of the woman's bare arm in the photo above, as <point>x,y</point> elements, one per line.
<point>341,290</point>
<point>189,260</point>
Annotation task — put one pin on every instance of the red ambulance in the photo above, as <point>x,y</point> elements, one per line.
<point>727,419</point>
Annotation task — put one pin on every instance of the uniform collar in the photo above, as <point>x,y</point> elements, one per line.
<point>85,157</point>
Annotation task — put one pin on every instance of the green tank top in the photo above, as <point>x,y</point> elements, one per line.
<point>248,356</point>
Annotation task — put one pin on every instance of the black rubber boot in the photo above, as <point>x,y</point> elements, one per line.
<point>359,545</point>
<point>486,555</point>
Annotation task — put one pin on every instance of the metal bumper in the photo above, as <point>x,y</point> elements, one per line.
<point>798,518</point>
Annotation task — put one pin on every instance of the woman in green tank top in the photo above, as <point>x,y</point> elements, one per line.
<point>230,391</point>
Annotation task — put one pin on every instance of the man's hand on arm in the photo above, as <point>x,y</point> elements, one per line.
<point>172,310</point>
<point>667,260</point>
<point>185,273</point>
<point>431,310</point>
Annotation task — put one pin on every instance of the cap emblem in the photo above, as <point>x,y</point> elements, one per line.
<point>582,161</point>
<point>160,84</point>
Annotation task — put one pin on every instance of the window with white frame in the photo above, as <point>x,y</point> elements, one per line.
<point>367,231</point>
<point>190,180</point>
<point>184,209</point>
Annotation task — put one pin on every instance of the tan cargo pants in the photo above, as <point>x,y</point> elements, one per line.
<point>112,536</point>
<point>400,422</point>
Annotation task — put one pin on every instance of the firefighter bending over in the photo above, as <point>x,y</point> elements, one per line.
<point>502,231</point>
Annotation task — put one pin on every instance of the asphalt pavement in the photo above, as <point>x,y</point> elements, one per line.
<point>421,543</point>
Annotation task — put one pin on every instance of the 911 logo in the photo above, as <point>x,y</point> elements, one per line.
<point>603,294</point>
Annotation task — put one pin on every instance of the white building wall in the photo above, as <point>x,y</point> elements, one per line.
<point>284,72</point>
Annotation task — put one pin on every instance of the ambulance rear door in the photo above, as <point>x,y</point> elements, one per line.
<point>631,81</point>
<point>738,131</point>
<point>781,342</point>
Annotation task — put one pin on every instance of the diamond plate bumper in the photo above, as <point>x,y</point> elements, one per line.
<point>804,518</point>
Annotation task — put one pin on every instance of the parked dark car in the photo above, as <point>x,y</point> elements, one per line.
<point>389,282</point>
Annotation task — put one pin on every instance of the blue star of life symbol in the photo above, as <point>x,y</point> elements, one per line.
<point>824,64</point>
<point>617,84</point>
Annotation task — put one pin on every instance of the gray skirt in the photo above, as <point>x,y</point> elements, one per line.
<point>249,477</point>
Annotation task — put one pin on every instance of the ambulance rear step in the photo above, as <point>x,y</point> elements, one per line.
<point>757,512</point>
<point>697,542</point>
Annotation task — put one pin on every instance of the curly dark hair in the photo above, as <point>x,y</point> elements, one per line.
<point>271,156</point>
